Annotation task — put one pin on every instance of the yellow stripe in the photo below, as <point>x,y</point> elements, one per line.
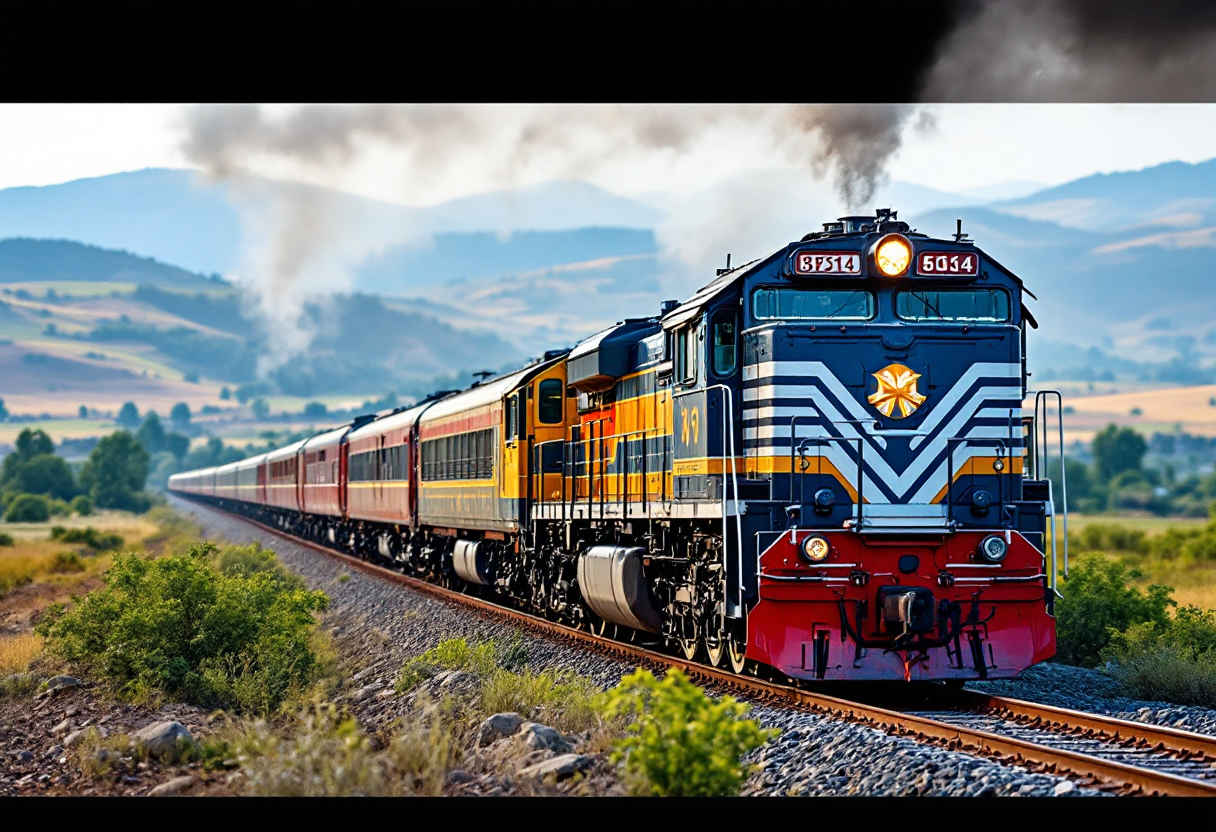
<point>385,484</point>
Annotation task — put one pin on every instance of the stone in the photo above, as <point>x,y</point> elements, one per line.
<point>365,693</point>
<point>25,756</point>
<point>458,776</point>
<point>63,727</point>
<point>536,736</point>
<point>561,766</point>
<point>173,787</point>
<point>165,740</point>
<point>497,727</point>
<point>1063,787</point>
<point>75,738</point>
<point>54,751</point>
<point>56,682</point>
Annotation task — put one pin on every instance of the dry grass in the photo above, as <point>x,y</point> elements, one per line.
<point>17,652</point>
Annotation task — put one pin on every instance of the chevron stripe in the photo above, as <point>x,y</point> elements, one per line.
<point>958,409</point>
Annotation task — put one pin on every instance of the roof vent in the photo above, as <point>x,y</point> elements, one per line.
<point>666,306</point>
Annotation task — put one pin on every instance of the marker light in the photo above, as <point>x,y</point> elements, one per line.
<point>815,548</point>
<point>993,548</point>
<point>893,255</point>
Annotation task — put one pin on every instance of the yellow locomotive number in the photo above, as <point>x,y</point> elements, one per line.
<point>690,421</point>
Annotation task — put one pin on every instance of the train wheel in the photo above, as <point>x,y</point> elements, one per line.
<point>715,650</point>
<point>688,648</point>
<point>598,626</point>
<point>736,655</point>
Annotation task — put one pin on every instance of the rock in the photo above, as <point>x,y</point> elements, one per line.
<point>536,736</point>
<point>561,766</point>
<point>56,685</point>
<point>63,727</point>
<point>497,727</point>
<point>25,756</point>
<point>75,738</point>
<point>1063,787</point>
<point>173,787</point>
<point>365,692</point>
<point>165,740</point>
<point>54,751</point>
<point>457,776</point>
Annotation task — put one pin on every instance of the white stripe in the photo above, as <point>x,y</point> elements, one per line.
<point>778,412</point>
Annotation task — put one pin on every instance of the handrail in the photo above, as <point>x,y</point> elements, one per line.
<point>1041,473</point>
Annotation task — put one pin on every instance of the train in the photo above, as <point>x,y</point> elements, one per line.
<point>822,466</point>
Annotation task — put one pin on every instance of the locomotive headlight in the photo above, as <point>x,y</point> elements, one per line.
<point>993,548</point>
<point>893,255</point>
<point>815,548</point>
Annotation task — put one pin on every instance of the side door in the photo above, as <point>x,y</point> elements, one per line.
<point>515,447</point>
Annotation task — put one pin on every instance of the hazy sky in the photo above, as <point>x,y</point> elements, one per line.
<point>967,146</point>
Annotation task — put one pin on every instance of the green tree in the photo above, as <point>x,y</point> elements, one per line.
<point>177,444</point>
<point>315,410</point>
<point>83,412</point>
<point>261,410</point>
<point>128,416</point>
<point>1116,450</point>
<point>180,415</point>
<point>29,444</point>
<point>151,433</point>
<point>115,472</point>
<point>28,508</point>
<point>3,411</point>
<point>225,394</point>
<point>45,474</point>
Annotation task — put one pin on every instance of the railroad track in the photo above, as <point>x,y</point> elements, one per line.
<point>1099,751</point>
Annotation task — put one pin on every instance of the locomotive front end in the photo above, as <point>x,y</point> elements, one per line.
<point>882,389</point>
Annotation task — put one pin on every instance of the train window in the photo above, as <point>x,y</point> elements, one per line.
<point>724,342</point>
<point>508,418</point>
<point>788,303</point>
<point>686,355</point>
<point>551,400</point>
<point>953,305</point>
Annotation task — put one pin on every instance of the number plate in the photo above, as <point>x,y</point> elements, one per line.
<point>942,262</point>
<point>833,262</point>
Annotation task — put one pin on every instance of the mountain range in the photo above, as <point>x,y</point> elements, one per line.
<point>1120,262</point>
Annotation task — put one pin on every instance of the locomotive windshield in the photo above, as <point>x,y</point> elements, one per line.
<point>963,305</point>
<point>790,303</point>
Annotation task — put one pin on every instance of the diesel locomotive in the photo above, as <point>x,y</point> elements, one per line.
<point>817,467</point>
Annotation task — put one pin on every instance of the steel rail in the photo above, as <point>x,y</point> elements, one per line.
<point>1005,749</point>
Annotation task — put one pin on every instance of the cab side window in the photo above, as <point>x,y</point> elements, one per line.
<point>686,355</point>
<point>724,348</point>
<point>551,400</point>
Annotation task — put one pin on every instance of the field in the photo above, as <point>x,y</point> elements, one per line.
<point>36,571</point>
<point>1165,409</point>
<point>1193,583</point>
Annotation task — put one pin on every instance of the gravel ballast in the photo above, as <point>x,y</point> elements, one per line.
<point>383,625</point>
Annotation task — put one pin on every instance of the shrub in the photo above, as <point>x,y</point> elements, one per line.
<point>450,654</point>
<point>89,536</point>
<point>1173,660</point>
<point>81,504</point>
<point>325,753</point>
<point>682,742</point>
<point>254,560</point>
<point>6,539</point>
<point>558,698</point>
<point>1110,537</point>
<point>1098,600</point>
<point>28,508</point>
<point>67,562</point>
<point>176,625</point>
